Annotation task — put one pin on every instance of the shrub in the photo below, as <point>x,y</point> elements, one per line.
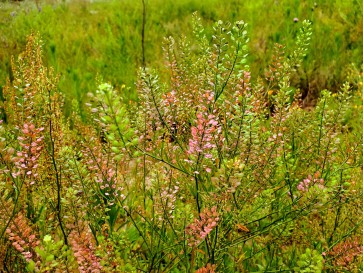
<point>209,171</point>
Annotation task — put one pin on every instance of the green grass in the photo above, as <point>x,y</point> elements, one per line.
<point>85,40</point>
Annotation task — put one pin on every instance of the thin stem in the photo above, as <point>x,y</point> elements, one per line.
<point>57,173</point>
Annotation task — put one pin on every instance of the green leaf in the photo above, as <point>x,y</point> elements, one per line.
<point>49,258</point>
<point>111,137</point>
<point>135,141</point>
<point>47,238</point>
<point>115,150</point>
<point>132,234</point>
<point>113,127</point>
<point>30,266</point>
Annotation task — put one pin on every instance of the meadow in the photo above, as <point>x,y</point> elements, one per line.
<point>226,138</point>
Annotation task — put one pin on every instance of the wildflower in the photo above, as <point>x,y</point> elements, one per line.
<point>165,204</point>
<point>26,160</point>
<point>22,237</point>
<point>84,252</point>
<point>199,229</point>
<point>345,252</point>
<point>304,185</point>
<point>203,135</point>
<point>103,171</point>
<point>209,268</point>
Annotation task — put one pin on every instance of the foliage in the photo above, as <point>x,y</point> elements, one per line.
<point>85,39</point>
<point>210,170</point>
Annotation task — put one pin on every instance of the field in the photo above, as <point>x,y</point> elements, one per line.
<point>196,136</point>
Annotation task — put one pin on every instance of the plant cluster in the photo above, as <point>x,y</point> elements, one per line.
<point>209,171</point>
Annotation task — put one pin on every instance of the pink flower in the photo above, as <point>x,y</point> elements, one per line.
<point>207,269</point>
<point>203,135</point>
<point>84,251</point>
<point>23,239</point>
<point>308,182</point>
<point>343,253</point>
<point>26,160</point>
<point>200,228</point>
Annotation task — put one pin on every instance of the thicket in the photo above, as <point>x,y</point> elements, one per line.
<point>208,171</point>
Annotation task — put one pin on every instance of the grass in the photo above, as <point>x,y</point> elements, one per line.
<point>85,40</point>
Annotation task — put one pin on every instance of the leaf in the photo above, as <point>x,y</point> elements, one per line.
<point>31,266</point>
<point>49,258</point>
<point>242,228</point>
<point>132,234</point>
<point>47,238</point>
<point>115,150</point>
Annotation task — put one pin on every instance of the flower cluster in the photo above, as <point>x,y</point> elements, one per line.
<point>310,181</point>
<point>209,268</point>
<point>206,132</point>
<point>22,237</point>
<point>276,69</point>
<point>84,251</point>
<point>170,99</point>
<point>345,252</point>
<point>104,172</point>
<point>207,126</point>
<point>242,88</point>
<point>26,160</point>
<point>167,202</point>
<point>199,229</point>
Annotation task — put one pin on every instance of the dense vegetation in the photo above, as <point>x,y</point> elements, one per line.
<point>238,148</point>
<point>83,40</point>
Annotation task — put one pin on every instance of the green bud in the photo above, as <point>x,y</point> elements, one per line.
<point>135,141</point>
<point>111,137</point>
<point>47,238</point>
<point>115,150</point>
<point>113,127</point>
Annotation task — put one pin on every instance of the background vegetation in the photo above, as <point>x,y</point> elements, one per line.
<point>237,148</point>
<point>84,39</point>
